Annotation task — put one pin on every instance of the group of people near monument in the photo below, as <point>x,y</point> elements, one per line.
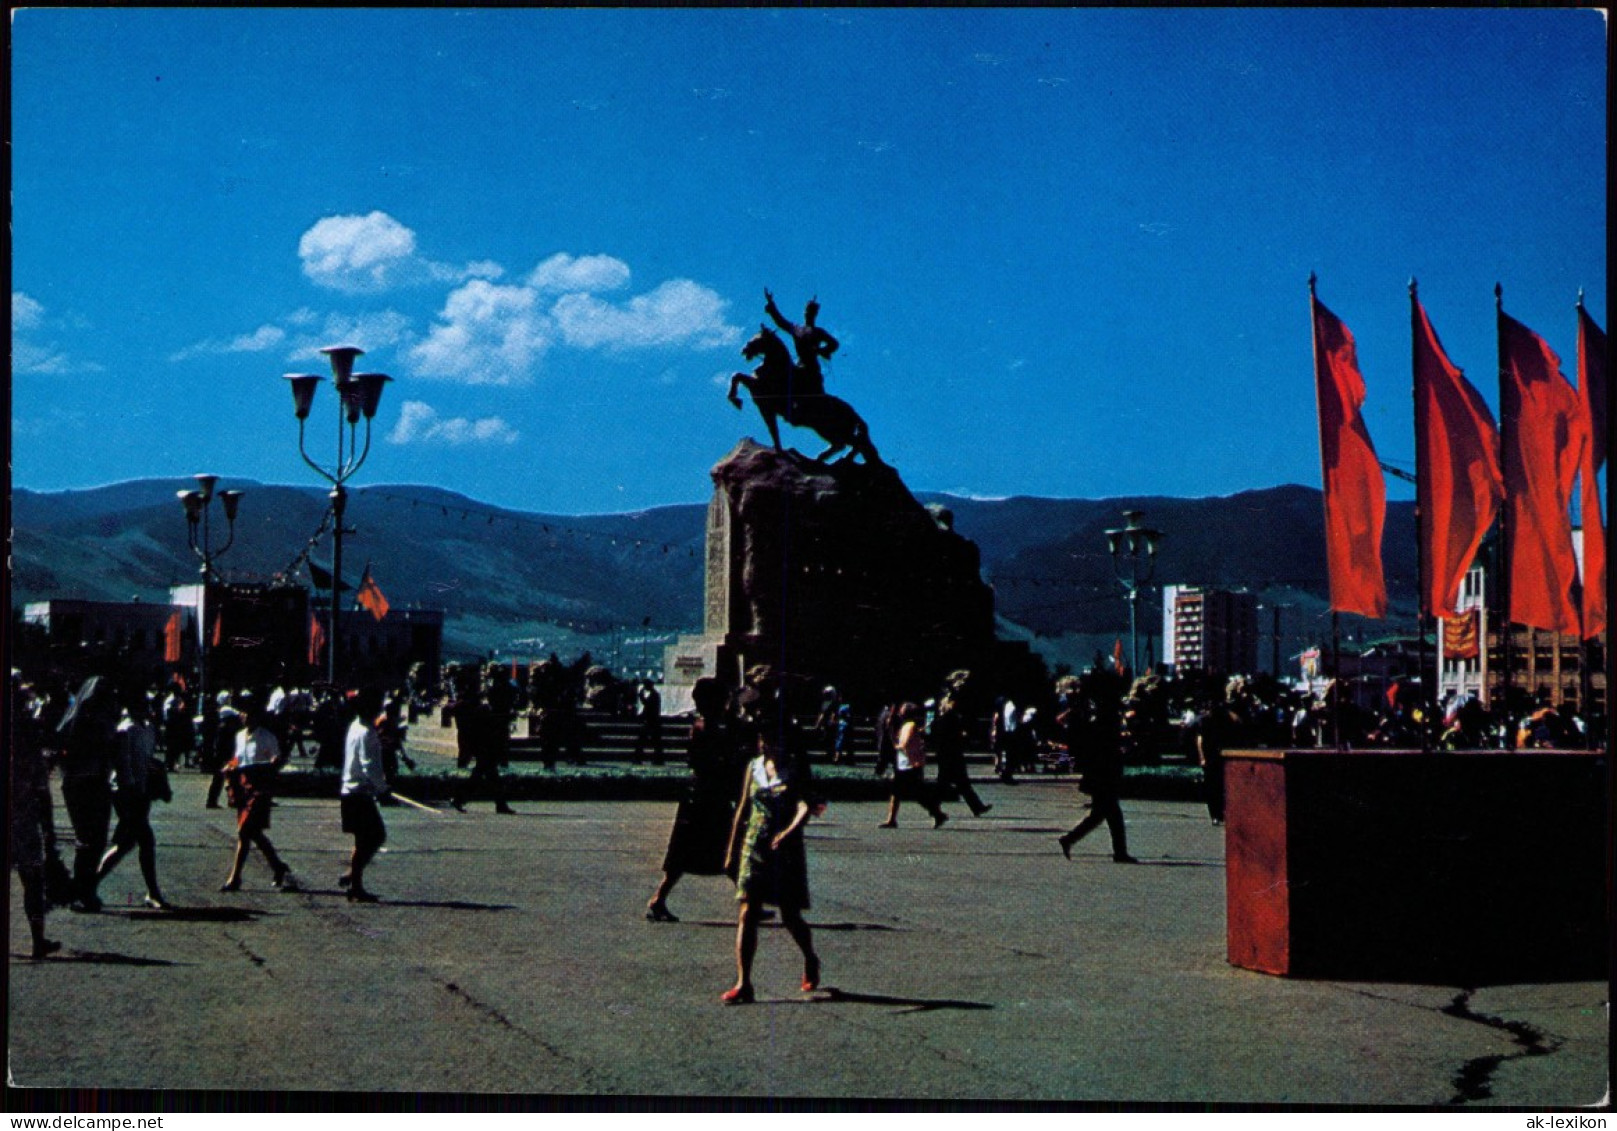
<point>106,741</point>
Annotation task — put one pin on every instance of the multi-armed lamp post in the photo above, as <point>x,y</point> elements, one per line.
<point>1125,544</point>
<point>358,395</point>
<point>198,504</point>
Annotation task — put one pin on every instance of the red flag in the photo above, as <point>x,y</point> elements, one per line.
<point>218,627</point>
<point>1543,433</point>
<point>1457,478</point>
<point>370,596</point>
<point>1592,392</point>
<point>1117,654</point>
<point>317,639</point>
<point>1355,495</point>
<point>171,639</point>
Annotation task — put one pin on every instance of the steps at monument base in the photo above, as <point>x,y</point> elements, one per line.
<point>611,738</point>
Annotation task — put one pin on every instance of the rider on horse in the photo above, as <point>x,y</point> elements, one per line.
<point>811,342</point>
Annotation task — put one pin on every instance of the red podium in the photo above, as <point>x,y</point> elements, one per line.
<point>1461,868</point>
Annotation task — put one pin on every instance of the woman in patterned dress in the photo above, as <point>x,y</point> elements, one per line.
<point>766,841</point>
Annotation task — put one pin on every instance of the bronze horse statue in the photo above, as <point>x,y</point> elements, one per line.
<point>771,388</point>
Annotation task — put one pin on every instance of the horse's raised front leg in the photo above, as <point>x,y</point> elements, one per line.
<point>735,397</point>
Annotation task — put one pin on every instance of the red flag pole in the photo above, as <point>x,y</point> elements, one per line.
<point>1324,480</point>
<point>1506,513</point>
<point>1423,487</point>
<point>1591,467</point>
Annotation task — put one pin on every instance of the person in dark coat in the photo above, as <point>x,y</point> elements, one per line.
<point>1094,736</point>
<point>31,832</point>
<point>702,823</point>
<point>483,735</point>
<point>949,748</point>
<point>88,733</point>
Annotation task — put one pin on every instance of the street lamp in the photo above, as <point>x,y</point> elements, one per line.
<point>1125,544</point>
<point>358,395</point>
<point>198,504</point>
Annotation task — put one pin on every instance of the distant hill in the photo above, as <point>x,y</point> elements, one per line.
<point>494,570</point>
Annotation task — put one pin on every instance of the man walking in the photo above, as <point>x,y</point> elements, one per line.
<point>364,784</point>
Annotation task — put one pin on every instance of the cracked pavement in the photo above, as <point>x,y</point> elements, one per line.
<point>510,955</point>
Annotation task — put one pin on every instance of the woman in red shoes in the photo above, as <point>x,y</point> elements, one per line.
<point>766,842</point>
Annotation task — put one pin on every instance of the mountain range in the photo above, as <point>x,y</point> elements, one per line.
<point>507,578</point>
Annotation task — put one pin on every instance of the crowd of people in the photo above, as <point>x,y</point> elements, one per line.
<point>115,747</point>
<point>749,795</point>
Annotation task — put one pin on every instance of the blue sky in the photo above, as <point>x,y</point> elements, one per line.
<point>1066,252</point>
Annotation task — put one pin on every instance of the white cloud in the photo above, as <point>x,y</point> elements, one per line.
<point>419,423</point>
<point>487,334</point>
<point>356,253</point>
<point>26,313</point>
<point>562,272</point>
<point>29,355</point>
<point>371,253</point>
<point>678,312</point>
<point>266,337</point>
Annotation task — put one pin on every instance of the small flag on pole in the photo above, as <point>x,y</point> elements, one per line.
<point>317,639</point>
<point>370,596</point>
<point>171,639</point>
<point>218,627</point>
<point>1117,654</point>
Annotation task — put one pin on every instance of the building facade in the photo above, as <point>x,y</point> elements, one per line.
<point>1209,630</point>
<point>1542,665</point>
<point>254,635</point>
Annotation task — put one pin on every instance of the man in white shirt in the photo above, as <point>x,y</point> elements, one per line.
<point>363,784</point>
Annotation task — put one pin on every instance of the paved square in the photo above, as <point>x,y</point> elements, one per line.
<point>972,962</point>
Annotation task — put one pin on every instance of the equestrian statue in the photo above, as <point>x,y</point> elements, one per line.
<point>795,392</point>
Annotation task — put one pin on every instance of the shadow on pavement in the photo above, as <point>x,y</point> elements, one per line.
<point>436,904</point>
<point>107,958</point>
<point>730,925</point>
<point>911,1004</point>
<point>192,914</point>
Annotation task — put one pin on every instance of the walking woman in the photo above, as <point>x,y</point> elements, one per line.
<point>909,774</point>
<point>133,754</point>
<point>766,843</point>
<point>700,838</point>
<point>251,779</point>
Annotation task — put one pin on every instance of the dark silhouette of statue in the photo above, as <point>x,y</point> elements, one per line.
<point>776,390</point>
<point>811,342</point>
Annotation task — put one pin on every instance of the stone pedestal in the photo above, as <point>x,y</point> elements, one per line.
<point>1452,868</point>
<point>833,574</point>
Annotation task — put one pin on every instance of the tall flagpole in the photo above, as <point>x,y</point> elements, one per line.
<point>1585,683</point>
<point>1423,611</point>
<point>1506,509</point>
<point>1324,483</point>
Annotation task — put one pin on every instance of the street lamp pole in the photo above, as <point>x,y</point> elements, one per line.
<point>198,504</point>
<point>1125,544</point>
<point>358,396</point>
